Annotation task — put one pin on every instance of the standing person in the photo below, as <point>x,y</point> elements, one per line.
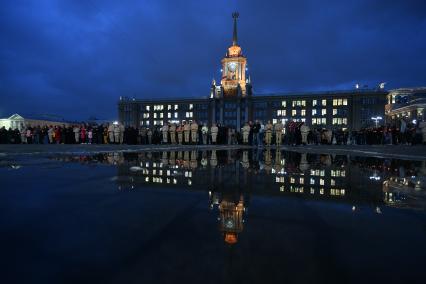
<point>186,131</point>
<point>76,131</point>
<point>256,135</point>
<point>172,130</point>
<point>57,135</point>
<point>278,128</point>
<point>142,133</point>
<point>50,134</point>
<point>121,132</point>
<point>179,131</point>
<point>149,134</point>
<point>246,132</point>
<point>23,135</point>
<point>214,130</point>
<point>28,135</point>
<point>111,133</point>
<point>194,129</point>
<point>116,131</point>
<point>83,134</point>
<point>268,131</point>
<point>304,130</point>
<point>165,131</point>
<point>204,131</point>
<point>105,134</point>
<point>90,135</point>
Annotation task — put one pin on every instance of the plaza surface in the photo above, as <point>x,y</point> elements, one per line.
<point>407,152</point>
<point>106,214</point>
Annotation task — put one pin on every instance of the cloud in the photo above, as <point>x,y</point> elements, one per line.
<point>75,58</point>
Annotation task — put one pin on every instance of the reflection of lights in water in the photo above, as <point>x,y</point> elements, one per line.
<point>353,208</point>
<point>378,211</point>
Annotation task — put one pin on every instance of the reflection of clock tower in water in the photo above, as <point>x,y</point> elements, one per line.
<point>231,97</point>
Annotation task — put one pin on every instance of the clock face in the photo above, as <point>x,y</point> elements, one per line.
<point>232,66</point>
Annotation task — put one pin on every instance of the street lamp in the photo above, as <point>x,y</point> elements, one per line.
<point>376,119</point>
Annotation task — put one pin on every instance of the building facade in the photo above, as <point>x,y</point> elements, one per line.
<point>20,122</point>
<point>406,103</point>
<point>231,103</point>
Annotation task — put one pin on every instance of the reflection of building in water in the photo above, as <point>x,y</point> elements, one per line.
<point>314,176</point>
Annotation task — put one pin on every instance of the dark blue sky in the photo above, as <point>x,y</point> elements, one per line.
<point>75,58</point>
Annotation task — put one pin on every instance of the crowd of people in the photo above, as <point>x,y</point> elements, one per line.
<point>257,134</point>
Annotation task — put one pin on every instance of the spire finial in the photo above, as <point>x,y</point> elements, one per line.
<point>234,37</point>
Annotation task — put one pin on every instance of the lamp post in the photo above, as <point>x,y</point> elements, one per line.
<point>376,119</point>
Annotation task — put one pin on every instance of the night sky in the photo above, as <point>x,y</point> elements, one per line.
<point>76,58</point>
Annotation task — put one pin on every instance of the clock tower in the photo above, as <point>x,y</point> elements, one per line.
<point>234,64</point>
<point>230,100</point>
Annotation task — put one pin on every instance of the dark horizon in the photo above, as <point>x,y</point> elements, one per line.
<point>76,59</point>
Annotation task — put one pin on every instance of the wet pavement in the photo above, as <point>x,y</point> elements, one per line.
<point>211,216</point>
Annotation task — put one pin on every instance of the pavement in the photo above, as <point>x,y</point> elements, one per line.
<point>405,152</point>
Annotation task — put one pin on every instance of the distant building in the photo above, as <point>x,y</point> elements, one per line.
<point>232,103</point>
<point>20,122</point>
<point>408,103</point>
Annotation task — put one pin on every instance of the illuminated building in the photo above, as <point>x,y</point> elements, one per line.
<point>408,103</point>
<point>232,102</point>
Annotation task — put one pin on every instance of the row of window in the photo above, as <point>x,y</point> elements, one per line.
<point>169,107</point>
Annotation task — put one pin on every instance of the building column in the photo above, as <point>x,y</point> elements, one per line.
<point>238,126</point>
<point>213,108</point>
<point>221,111</point>
<point>246,113</point>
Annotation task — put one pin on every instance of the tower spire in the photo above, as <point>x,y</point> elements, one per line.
<point>234,37</point>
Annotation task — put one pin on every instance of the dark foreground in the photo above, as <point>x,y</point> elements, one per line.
<point>237,216</point>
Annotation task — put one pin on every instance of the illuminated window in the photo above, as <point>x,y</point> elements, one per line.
<point>146,115</point>
<point>274,121</point>
<point>191,106</point>
<point>312,181</point>
<point>324,102</point>
<point>176,107</point>
<point>161,115</point>
<point>301,180</point>
<point>321,181</point>
<point>293,112</point>
<point>147,108</point>
<point>334,111</point>
<point>283,103</point>
<point>312,190</point>
<point>323,111</point>
<point>345,102</point>
<point>314,112</point>
<point>323,121</point>
<point>176,115</point>
<point>155,115</point>
<point>169,107</point>
<point>345,121</point>
<point>147,123</point>
<point>314,102</point>
<point>281,112</point>
<point>292,180</point>
<point>303,112</point>
<point>169,115</point>
<point>332,182</point>
<point>189,114</point>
